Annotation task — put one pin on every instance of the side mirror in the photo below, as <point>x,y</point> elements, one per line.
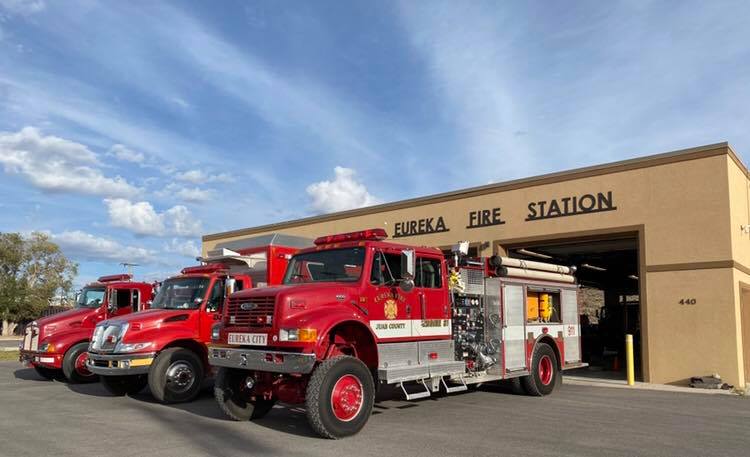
<point>408,269</point>
<point>112,301</point>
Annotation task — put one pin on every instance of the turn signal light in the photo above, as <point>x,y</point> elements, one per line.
<point>308,334</point>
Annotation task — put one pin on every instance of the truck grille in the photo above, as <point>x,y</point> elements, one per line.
<point>106,336</point>
<point>31,338</point>
<point>255,312</point>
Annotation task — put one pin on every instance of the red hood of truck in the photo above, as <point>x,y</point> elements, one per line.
<point>150,317</point>
<point>67,317</point>
<point>301,289</point>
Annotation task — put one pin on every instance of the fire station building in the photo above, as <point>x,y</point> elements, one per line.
<point>661,243</point>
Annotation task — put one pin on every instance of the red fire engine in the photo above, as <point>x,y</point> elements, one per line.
<point>356,311</point>
<point>165,347</point>
<point>56,345</point>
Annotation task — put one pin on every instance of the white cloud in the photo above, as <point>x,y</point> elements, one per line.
<point>85,246</point>
<point>186,248</point>
<point>186,194</point>
<point>23,7</point>
<point>343,193</point>
<point>201,177</point>
<point>59,165</point>
<point>126,154</point>
<point>142,219</point>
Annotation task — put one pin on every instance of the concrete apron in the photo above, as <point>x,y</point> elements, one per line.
<point>623,384</point>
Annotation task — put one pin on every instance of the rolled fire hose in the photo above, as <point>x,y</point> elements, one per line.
<point>534,274</point>
<point>498,261</point>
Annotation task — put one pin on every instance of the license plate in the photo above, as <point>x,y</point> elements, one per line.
<point>251,339</point>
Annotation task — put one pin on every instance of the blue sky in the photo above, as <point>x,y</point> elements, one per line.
<point>128,129</point>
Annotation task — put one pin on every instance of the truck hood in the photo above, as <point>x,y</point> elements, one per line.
<point>156,317</point>
<point>65,321</point>
<point>301,289</point>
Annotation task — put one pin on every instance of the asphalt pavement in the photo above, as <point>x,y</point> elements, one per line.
<point>40,417</point>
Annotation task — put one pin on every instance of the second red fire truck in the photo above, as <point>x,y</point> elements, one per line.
<point>165,347</point>
<point>356,311</point>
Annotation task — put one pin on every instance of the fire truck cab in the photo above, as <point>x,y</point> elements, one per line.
<point>56,345</point>
<point>165,347</point>
<point>356,311</point>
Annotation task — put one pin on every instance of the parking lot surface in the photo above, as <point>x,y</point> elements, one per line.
<point>40,417</point>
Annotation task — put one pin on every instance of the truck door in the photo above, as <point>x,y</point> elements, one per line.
<point>119,302</point>
<point>431,317</point>
<point>212,309</point>
<point>390,309</point>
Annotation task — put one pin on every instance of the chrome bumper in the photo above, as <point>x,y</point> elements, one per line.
<point>119,364</point>
<point>261,360</point>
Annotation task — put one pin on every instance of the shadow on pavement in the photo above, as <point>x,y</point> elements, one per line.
<point>29,374</point>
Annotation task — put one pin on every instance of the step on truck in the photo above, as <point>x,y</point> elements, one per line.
<point>55,346</point>
<point>165,347</point>
<point>356,312</point>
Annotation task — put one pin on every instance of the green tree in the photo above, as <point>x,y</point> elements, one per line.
<point>33,271</point>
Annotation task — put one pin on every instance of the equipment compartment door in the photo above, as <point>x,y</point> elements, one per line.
<point>571,327</point>
<point>514,327</point>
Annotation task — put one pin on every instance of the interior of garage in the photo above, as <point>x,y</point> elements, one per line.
<point>609,302</point>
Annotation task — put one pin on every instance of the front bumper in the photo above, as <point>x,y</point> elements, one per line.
<point>119,364</point>
<point>261,360</point>
<point>44,359</point>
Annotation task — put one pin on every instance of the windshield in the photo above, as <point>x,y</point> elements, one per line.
<point>326,266</point>
<point>90,297</point>
<point>181,293</point>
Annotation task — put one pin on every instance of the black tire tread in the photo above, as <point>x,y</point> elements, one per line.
<point>529,382</point>
<point>157,372</point>
<point>312,396</point>
<point>68,364</point>
<point>259,409</point>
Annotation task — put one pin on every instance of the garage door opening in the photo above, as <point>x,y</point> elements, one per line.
<point>609,300</point>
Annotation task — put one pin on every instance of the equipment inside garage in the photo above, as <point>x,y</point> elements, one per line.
<point>609,302</point>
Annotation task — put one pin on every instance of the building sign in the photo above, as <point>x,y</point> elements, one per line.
<point>571,206</point>
<point>420,227</point>
<point>484,218</point>
<point>538,210</point>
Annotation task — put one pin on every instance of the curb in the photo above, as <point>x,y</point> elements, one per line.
<point>617,384</point>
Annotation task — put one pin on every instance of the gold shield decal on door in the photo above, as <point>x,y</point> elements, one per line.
<point>390,309</point>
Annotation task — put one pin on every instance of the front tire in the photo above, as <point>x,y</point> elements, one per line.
<point>234,398</point>
<point>339,397</point>
<point>544,372</point>
<point>50,374</point>
<point>124,385</point>
<point>74,364</point>
<point>176,376</point>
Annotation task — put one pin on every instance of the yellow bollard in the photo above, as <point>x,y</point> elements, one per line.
<point>629,359</point>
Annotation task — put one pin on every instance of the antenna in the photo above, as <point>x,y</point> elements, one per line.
<point>129,266</point>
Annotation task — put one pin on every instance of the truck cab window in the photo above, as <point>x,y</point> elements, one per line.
<point>217,296</point>
<point>386,268</point>
<point>123,298</point>
<point>428,273</point>
<point>136,300</point>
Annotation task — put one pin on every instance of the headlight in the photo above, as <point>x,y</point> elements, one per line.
<point>132,347</point>
<point>216,332</point>
<point>298,334</point>
<point>46,347</point>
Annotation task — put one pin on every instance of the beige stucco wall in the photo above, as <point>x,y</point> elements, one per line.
<point>681,211</point>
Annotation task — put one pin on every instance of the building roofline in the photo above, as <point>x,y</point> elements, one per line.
<point>700,152</point>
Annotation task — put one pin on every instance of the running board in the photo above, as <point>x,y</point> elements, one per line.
<point>453,389</point>
<point>415,395</point>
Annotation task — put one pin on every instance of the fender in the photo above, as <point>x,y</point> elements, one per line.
<point>161,337</point>
<point>325,322</point>
<point>547,339</point>
<point>63,341</point>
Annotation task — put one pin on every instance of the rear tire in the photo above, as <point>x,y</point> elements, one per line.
<point>176,375</point>
<point>74,364</point>
<point>124,385</point>
<point>544,372</point>
<point>50,374</point>
<point>235,400</point>
<point>339,397</point>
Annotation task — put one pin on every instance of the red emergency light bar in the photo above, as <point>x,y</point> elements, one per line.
<point>202,269</point>
<point>376,234</point>
<point>113,278</point>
